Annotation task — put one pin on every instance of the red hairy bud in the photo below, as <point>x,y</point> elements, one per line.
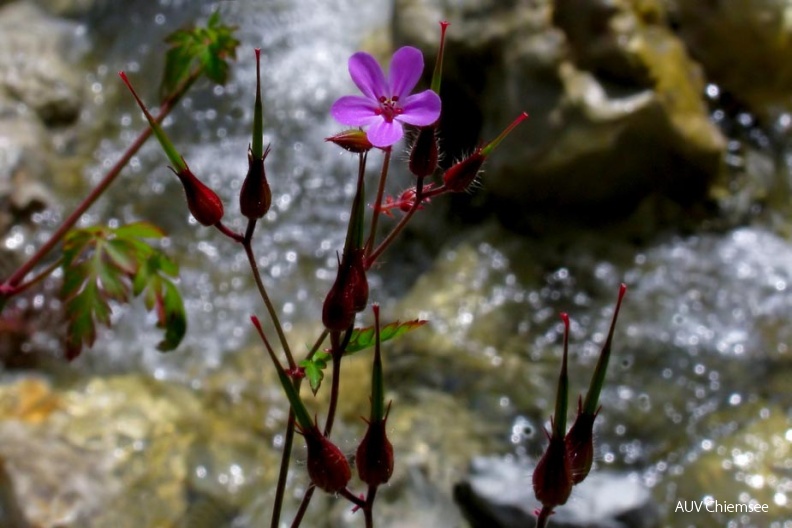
<point>328,468</point>
<point>354,140</point>
<point>203,202</point>
<point>552,478</point>
<point>374,458</point>
<point>255,197</point>
<point>424,153</point>
<point>462,174</point>
<point>580,444</point>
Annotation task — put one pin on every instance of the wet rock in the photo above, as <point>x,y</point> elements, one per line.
<point>37,54</point>
<point>89,455</point>
<point>616,105</point>
<point>498,494</point>
<point>739,40</point>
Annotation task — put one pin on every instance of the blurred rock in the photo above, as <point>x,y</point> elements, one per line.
<point>615,103</point>
<point>740,42</point>
<point>37,54</point>
<point>498,494</point>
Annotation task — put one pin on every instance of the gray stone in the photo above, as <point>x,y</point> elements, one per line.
<point>37,54</point>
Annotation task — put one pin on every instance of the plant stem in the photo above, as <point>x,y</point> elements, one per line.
<point>378,202</point>
<point>10,286</point>
<point>544,515</point>
<point>268,303</point>
<point>419,196</point>
<point>283,472</point>
<point>306,500</point>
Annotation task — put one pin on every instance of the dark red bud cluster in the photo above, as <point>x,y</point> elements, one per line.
<point>328,468</point>
<point>348,295</point>
<point>203,202</point>
<point>255,197</point>
<point>460,176</point>
<point>374,458</point>
<point>354,140</point>
<point>424,153</point>
<point>552,478</point>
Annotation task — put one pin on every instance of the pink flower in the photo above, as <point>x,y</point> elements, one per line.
<point>386,103</point>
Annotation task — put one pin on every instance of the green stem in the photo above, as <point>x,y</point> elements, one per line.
<point>378,202</point>
<point>167,106</point>
<point>283,472</point>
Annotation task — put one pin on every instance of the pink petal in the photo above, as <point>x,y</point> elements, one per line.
<point>353,110</point>
<point>384,134</point>
<point>367,75</point>
<point>421,109</point>
<point>405,70</point>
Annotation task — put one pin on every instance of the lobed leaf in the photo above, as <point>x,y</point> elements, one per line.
<point>314,369</point>
<point>363,338</point>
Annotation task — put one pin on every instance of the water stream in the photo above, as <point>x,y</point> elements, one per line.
<point>704,337</point>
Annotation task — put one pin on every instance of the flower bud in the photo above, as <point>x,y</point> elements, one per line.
<point>349,294</point>
<point>580,444</point>
<point>424,153</point>
<point>255,197</point>
<point>552,478</point>
<point>354,140</point>
<point>374,458</point>
<point>203,202</point>
<point>328,468</point>
<point>463,173</point>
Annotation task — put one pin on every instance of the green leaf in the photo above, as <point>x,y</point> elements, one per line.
<point>363,338</point>
<point>102,264</point>
<point>139,230</point>
<point>314,369</point>
<point>198,50</point>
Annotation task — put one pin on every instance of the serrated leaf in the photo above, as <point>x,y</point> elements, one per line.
<point>363,338</point>
<point>314,369</point>
<point>206,49</point>
<point>105,263</point>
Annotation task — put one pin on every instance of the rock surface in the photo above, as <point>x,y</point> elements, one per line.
<point>616,105</point>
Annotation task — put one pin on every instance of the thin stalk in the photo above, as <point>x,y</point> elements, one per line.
<point>38,278</point>
<point>544,515</point>
<point>268,303</point>
<point>368,509</point>
<point>165,109</point>
<point>283,472</point>
<point>236,237</point>
<point>306,500</point>
<point>378,202</point>
<point>419,196</point>
<point>338,347</point>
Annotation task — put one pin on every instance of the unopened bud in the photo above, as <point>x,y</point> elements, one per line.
<point>424,153</point>
<point>374,458</point>
<point>328,468</point>
<point>580,444</point>
<point>203,202</point>
<point>461,175</point>
<point>348,295</point>
<point>255,197</point>
<point>552,478</point>
<point>354,140</point>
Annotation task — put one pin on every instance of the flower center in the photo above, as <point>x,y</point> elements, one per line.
<point>389,108</point>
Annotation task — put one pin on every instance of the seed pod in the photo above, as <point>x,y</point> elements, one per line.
<point>328,468</point>
<point>203,202</point>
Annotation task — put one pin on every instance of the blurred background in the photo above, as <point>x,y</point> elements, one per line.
<point>657,154</point>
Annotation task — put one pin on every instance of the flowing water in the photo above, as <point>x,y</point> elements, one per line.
<point>702,371</point>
